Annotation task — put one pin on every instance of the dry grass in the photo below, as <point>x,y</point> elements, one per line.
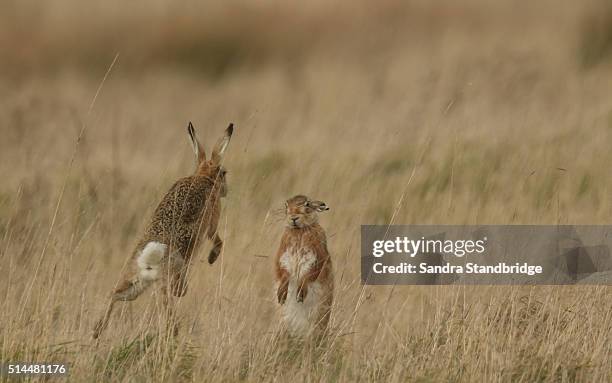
<point>426,114</point>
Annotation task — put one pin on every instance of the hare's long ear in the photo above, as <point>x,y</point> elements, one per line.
<point>318,205</point>
<point>221,145</point>
<point>198,150</point>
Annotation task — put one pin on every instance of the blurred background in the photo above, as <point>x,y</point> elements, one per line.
<point>445,112</point>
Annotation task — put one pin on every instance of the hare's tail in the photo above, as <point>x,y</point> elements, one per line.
<point>150,259</point>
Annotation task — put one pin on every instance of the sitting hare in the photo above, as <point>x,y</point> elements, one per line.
<point>189,209</point>
<point>304,277</point>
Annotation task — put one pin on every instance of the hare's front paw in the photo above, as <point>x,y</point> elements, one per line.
<point>301,293</point>
<point>281,293</point>
<point>213,255</point>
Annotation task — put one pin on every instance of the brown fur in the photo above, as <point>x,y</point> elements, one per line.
<point>303,233</point>
<point>189,209</point>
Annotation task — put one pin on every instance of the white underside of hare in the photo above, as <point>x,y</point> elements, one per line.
<point>300,318</point>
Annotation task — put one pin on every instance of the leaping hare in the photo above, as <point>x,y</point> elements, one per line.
<point>189,209</point>
<point>304,278</point>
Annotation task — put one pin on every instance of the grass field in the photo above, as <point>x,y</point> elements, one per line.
<point>453,112</point>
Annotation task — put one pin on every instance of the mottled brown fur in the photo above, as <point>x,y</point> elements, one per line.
<point>190,209</point>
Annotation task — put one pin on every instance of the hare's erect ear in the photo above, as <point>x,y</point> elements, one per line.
<point>221,145</point>
<point>318,205</point>
<point>198,150</point>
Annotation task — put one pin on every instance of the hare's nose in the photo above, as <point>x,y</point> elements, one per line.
<point>294,219</point>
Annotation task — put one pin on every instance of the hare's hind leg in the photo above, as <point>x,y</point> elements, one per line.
<point>147,268</point>
<point>126,291</point>
<point>168,312</point>
<point>103,322</point>
<point>177,275</point>
<point>175,286</point>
